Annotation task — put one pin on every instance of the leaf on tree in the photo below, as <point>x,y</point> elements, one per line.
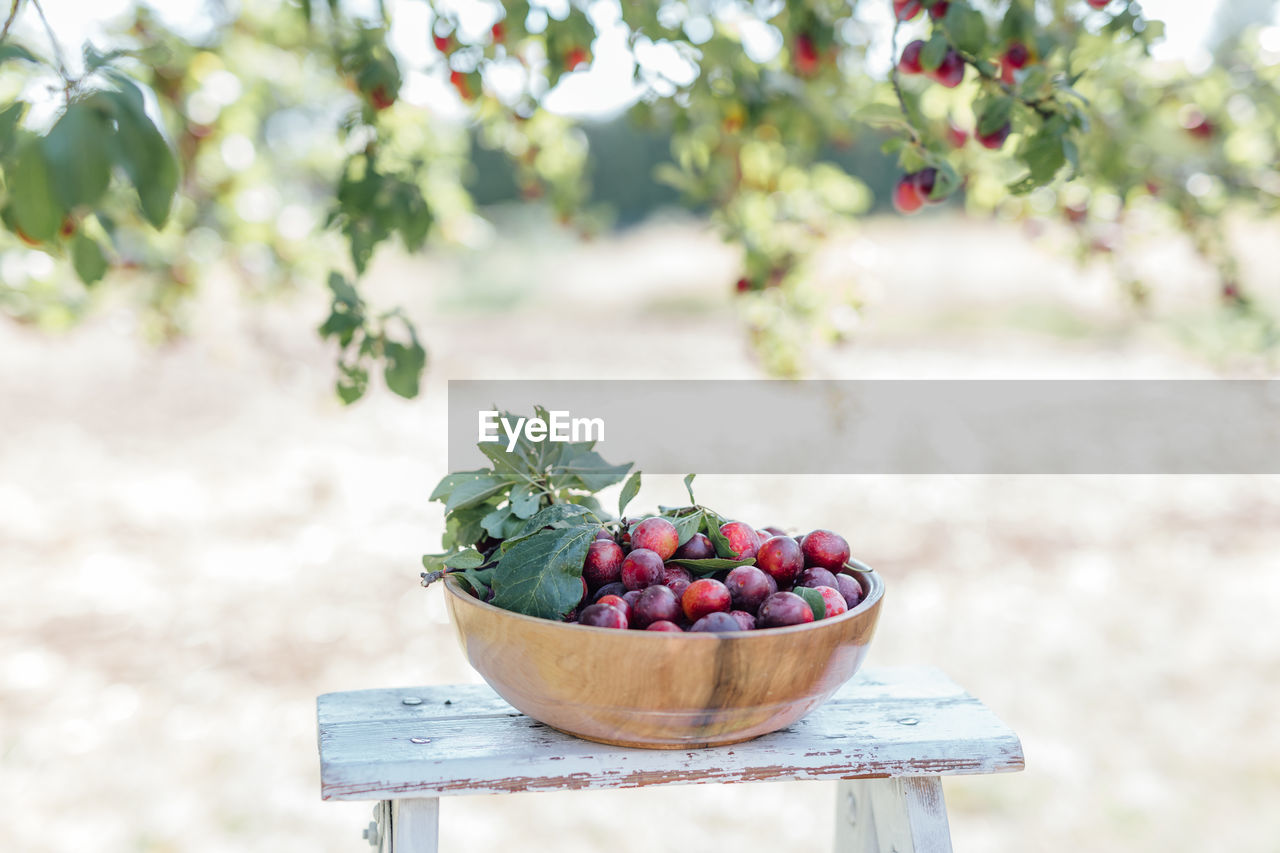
<point>88,259</point>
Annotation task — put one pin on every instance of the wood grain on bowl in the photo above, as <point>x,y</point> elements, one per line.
<point>660,690</point>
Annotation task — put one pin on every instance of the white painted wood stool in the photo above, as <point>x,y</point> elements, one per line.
<point>887,737</point>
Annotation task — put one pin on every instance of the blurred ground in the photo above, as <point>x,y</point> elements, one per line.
<point>196,541</point>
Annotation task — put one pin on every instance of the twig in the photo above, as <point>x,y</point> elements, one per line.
<point>8,22</point>
<point>1036,104</point>
<point>58,58</point>
<point>897,86</point>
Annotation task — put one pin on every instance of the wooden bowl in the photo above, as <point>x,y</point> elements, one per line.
<point>658,690</point>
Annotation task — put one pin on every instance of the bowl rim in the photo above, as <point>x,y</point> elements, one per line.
<point>869,602</point>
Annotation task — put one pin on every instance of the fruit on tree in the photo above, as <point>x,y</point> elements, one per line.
<point>655,604</point>
<point>602,616</point>
<point>742,539</point>
<point>705,595</point>
<point>641,568</point>
<point>995,139</point>
<point>781,558</point>
<point>950,72</point>
<point>1198,124</point>
<point>926,179</point>
<point>499,33</point>
<point>663,625</point>
<point>604,534</point>
<point>782,609</point>
<point>698,547</point>
<point>459,81</point>
<point>774,530</point>
<point>380,98</point>
<point>806,57</point>
<point>905,10</point>
<point>618,602</point>
<point>746,621</point>
<point>909,63</point>
<point>826,549</point>
<point>717,623</point>
<point>816,576</point>
<point>749,586</point>
<point>906,195</point>
<point>443,43</point>
<point>938,10</point>
<point>658,535</point>
<point>833,600</point>
<point>575,57</point>
<point>603,564</point>
<point>1016,56</point>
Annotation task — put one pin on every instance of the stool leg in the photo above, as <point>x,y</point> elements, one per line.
<point>902,815</point>
<point>412,825</point>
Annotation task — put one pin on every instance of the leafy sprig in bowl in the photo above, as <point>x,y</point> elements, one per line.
<point>518,535</point>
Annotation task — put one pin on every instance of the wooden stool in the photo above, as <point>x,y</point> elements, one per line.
<point>887,736</point>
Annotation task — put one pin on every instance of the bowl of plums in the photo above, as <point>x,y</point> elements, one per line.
<point>675,630</point>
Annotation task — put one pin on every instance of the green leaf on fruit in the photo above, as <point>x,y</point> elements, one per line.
<point>686,525</point>
<point>688,487</point>
<point>711,564</point>
<point>711,524</point>
<point>474,491</point>
<point>934,51</point>
<point>541,575</point>
<point>591,471</point>
<point>993,114</point>
<point>814,599</point>
<point>468,559</point>
<point>495,523</point>
<point>477,580</point>
<point>463,527</point>
<point>451,481</point>
<point>555,514</point>
<point>525,501</point>
<point>629,490</point>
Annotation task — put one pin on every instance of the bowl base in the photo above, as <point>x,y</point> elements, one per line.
<point>690,744</point>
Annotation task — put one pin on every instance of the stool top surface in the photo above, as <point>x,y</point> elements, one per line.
<point>463,739</point>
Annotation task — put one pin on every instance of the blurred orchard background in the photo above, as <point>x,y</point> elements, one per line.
<point>197,537</point>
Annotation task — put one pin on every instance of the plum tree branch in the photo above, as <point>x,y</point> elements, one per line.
<point>8,22</point>
<point>56,46</point>
<point>1037,104</point>
<point>897,84</point>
